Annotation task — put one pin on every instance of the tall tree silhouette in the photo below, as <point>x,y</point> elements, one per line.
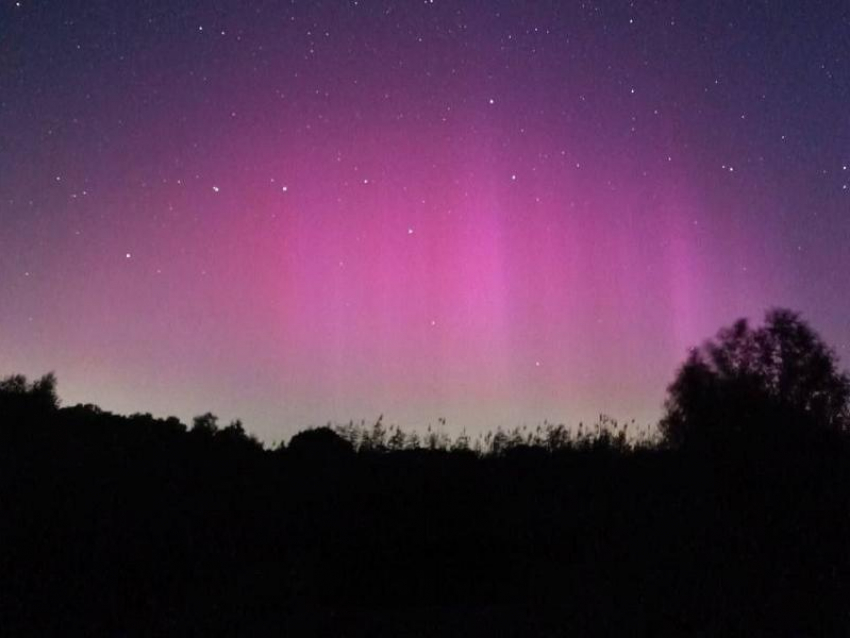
<point>757,383</point>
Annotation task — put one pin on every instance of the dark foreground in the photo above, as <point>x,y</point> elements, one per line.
<point>115,526</point>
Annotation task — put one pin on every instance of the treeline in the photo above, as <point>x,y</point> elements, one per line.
<point>21,401</point>
<point>734,521</point>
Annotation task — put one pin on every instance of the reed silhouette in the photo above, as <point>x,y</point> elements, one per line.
<point>735,521</point>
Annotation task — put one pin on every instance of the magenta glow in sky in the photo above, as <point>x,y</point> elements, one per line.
<point>496,213</point>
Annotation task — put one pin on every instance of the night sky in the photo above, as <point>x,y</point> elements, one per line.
<point>492,212</point>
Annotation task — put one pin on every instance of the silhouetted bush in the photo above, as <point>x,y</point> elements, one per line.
<point>319,444</point>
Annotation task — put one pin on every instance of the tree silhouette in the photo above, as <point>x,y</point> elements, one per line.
<point>234,436</point>
<point>756,383</point>
<point>205,425</point>
<point>20,398</point>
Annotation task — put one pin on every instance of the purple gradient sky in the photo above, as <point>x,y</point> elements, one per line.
<point>492,212</point>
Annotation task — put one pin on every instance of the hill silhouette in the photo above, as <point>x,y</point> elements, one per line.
<point>735,522</point>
